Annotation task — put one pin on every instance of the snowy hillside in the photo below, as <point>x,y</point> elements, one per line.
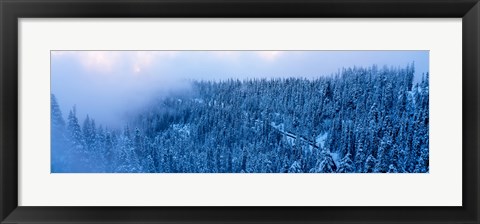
<point>362,120</point>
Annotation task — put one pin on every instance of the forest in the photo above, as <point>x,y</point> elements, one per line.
<point>359,120</point>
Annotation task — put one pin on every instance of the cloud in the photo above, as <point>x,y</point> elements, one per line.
<point>234,55</point>
<point>96,61</point>
<point>143,60</point>
<point>224,54</point>
<point>106,62</point>
<point>99,61</point>
<point>269,55</point>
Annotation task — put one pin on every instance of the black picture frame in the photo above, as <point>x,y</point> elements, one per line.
<point>12,10</point>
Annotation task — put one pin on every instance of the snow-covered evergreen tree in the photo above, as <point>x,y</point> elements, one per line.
<point>346,165</point>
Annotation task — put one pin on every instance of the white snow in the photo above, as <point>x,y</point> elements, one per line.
<point>278,127</point>
<point>198,100</point>
<point>336,158</point>
<point>184,130</point>
<point>321,138</point>
<point>290,140</point>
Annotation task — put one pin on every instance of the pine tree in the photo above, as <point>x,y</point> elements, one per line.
<point>326,164</point>
<point>60,154</point>
<point>392,169</point>
<point>370,164</point>
<point>89,134</point>
<point>58,124</point>
<point>74,130</point>
<point>296,167</point>
<point>360,158</point>
<point>346,164</point>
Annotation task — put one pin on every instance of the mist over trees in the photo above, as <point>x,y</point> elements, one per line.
<point>361,120</point>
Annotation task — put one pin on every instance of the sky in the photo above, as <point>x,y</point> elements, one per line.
<point>111,85</point>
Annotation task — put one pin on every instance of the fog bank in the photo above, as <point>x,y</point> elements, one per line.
<point>109,85</point>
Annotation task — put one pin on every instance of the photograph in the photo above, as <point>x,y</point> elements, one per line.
<point>239,111</point>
